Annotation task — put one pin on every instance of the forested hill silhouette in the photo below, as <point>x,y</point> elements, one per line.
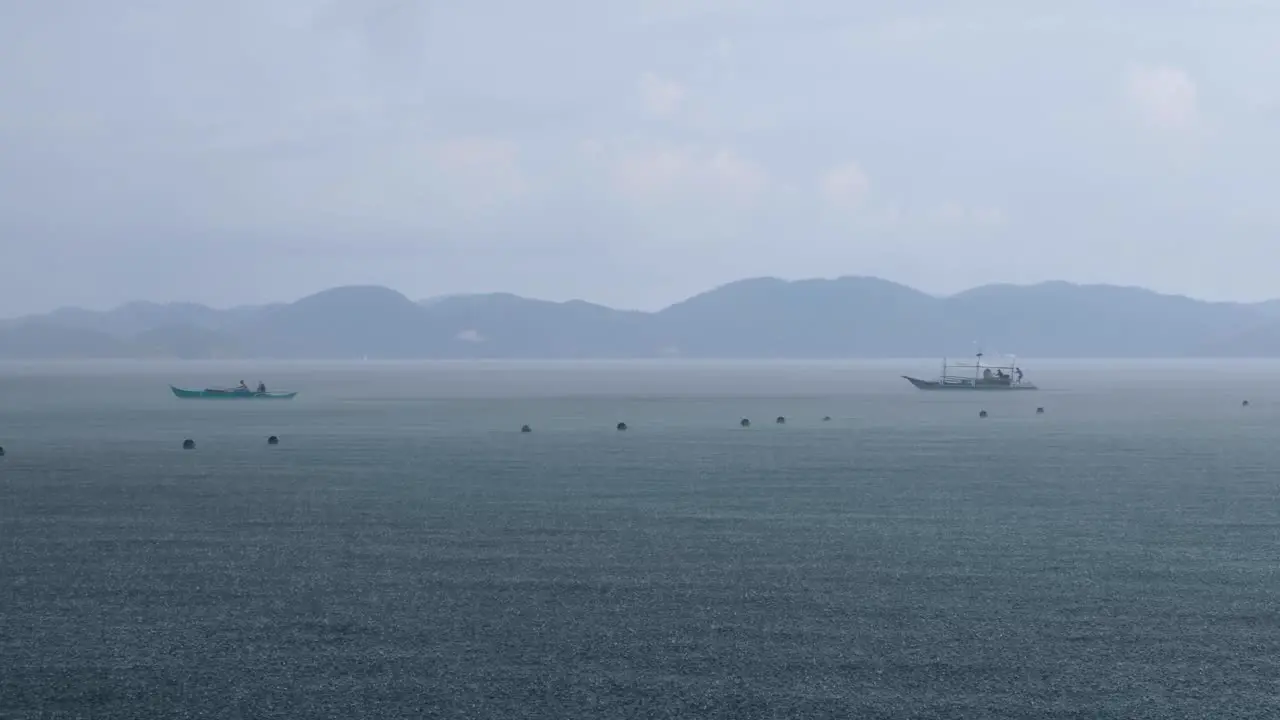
<point>754,318</point>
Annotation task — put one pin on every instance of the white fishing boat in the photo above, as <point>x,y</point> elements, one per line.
<point>1001,374</point>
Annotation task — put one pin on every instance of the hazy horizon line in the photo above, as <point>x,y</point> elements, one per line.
<point>815,361</point>
<point>445,296</point>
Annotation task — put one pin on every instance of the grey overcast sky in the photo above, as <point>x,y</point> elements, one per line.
<point>631,153</point>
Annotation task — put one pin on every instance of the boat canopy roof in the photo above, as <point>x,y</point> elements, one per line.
<point>995,362</point>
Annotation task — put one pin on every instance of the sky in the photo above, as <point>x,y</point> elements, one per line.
<point>631,153</point>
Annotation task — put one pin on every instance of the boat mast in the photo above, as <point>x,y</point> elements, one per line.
<point>977,369</point>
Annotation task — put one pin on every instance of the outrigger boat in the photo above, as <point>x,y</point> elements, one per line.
<point>233,394</point>
<point>979,375</point>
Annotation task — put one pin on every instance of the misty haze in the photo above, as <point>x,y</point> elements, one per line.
<point>403,358</point>
<point>758,318</point>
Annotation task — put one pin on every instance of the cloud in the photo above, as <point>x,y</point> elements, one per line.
<point>661,12</point>
<point>845,186</point>
<point>398,185</point>
<point>679,173</point>
<point>661,98</point>
<point>846,191</point>
<point>989,216</point>
<point>1165,98</point>
<point>924,220</point>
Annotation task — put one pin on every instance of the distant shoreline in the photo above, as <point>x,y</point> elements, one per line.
<point>757,319</point>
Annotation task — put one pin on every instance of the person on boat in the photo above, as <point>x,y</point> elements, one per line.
<point>242,386</point>
<point>1019,372</point>
<point>262,387</point>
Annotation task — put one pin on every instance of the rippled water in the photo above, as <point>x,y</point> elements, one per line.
<point>406,552</point>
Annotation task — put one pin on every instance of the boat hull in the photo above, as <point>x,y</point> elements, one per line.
<point>214,394</point>
<point>969,385</point>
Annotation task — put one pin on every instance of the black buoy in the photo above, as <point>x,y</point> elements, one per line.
<point>273,440</point>
<point>826,418</point>
<point>781,420</point>
<point>982,414</point>
<point>1039,411</point>
<point>745,423</point>
<point>525,428</point>
<point>622,426</point>
<point>1245,403</point>
<point>1,451</point>
<point>188,444</point>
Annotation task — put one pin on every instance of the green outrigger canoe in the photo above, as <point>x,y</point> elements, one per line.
<point>233,394</point>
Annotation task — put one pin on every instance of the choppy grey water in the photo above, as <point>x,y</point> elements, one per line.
<point>406,552</point>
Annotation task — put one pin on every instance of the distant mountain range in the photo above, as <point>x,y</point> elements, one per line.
<point>756,318</point>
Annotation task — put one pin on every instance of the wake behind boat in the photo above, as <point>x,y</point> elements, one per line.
<point>977,375</point>
<point>240,392</point>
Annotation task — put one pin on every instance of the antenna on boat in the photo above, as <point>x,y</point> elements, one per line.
<point>977,365</point>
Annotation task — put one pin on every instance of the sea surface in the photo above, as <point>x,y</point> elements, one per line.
<point>406,551</point>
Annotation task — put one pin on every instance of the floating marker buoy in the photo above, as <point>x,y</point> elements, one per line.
<point>1,452</point>
<point>826,418</point>
<point>622,426</point>
<point>525,428</point>
<point>745,423</point>
<point>982,414</point>
<point>1039,411</point>
<point>781,420</point>
<point>273,440</point>
<point>1245,403</point>
<point>188,444</point>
